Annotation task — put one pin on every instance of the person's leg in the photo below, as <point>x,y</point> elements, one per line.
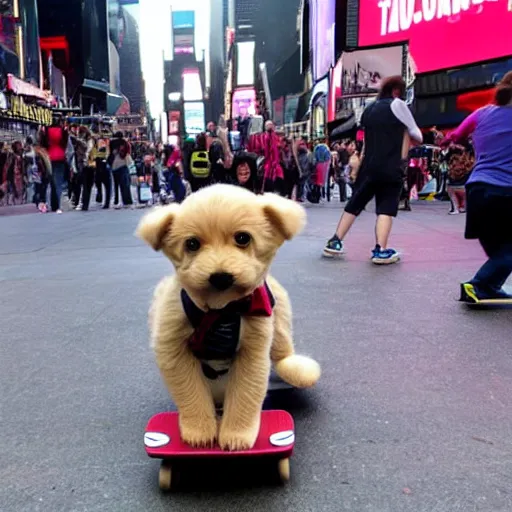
<point>364,194</point>
<point>460,194</point>
<point>453,198</point>
<point>78,183</point>
<point>88,178</point>
<point>107,181</point>
<point>387,200</point>
<point>383,227</point>
<point>57,183</point>
<point>493,274</point>
<point>126,187</point>
<point>116,184</point>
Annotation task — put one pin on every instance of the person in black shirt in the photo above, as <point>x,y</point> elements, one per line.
<point>388,127</point>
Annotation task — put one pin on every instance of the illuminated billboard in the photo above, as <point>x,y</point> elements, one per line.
<point>322,30</point>
<point>442,34</point>
<point>183,23</point>
<point>194,117</point>
<point>244,102</point>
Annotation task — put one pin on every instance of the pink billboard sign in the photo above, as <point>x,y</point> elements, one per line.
<point>244,102</point>
<point>442,34</point>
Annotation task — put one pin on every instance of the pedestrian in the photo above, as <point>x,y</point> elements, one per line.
<point>120,161</point>
<point>86,158</point>
<point>55,140</point>
<point>460,166</point>
<point>387,122</point>
<point>489,194</point>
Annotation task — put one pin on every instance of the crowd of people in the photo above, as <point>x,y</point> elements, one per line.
<point>76,159</point>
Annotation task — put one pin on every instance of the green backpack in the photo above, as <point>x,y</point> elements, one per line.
<point>200,164</point>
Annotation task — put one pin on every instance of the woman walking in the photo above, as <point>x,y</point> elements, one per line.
<point>489,195</point>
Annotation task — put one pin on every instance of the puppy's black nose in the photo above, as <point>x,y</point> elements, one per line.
<point>222,281</point>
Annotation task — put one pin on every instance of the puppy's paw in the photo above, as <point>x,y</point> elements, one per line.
<point>237,440</point>
<point>199,432</point>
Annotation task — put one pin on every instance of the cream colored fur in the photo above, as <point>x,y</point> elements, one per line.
<point>213,216</point>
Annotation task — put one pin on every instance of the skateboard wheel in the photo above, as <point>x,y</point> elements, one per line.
<point>283,467</point>
<point>165,477</point>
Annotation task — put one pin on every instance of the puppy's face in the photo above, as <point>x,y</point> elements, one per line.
<point>221,240</point>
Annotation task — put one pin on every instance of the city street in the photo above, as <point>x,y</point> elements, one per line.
<point>413,411</point>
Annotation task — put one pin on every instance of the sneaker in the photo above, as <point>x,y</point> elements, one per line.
<point>454,212</point>
<point>79,208</point>
<point>473,294</point>
<point>384,256</point>
<point>334,247</point>
<point>59,212</point>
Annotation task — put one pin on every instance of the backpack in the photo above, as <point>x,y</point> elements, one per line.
<point>200,165</point>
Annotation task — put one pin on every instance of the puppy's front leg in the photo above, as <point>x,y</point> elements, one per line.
<point>186,383</point>
<point>247,386</point>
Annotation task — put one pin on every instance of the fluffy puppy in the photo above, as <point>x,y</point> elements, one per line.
<point>221,241</point>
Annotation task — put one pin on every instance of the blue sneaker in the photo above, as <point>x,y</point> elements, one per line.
<point>384,256</point>
<point>334,247</point>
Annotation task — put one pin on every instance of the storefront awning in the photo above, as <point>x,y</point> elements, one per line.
<point>342,128</point>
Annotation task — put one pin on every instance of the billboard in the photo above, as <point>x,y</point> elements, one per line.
<point>192,90</point>
<point>322,33</point>
<point>183,20</point>
<point>245,63</point>
<point>244,102</point>
<point>95,37</point>
<point>438,30</point>
<point>8,56</point>
<point>183,23</point>
<point>194,117</point>
<point>31,50</point>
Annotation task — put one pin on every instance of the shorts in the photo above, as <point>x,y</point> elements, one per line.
<point>386,194</point>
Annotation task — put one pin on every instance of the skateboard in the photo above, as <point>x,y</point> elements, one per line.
<point>487,303</point>
<point>469,297</point>
<point>275,440</point>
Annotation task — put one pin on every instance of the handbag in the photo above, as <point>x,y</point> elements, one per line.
<point>145,193</point>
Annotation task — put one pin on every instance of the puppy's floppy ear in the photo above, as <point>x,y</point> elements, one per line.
<point>153,226</point>
<point>286,216</point>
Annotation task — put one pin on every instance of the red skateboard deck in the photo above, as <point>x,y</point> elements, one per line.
<point>162,440</point>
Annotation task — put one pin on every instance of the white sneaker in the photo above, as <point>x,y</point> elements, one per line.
<point>455,212</point>
<point>78,208</point>
<point>59,212</point>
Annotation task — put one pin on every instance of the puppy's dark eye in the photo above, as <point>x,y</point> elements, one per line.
<point>242,239</point>
<point>193,245</point>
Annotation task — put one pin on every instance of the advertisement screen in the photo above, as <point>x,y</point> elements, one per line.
<point>322,22</point>
<point>244,102</point>
<point>192,90</point>
<point>183,19</point>
<point>245,63</point>
<point>95,34</point>
<point>28,16</point>
<point>194,117</point>
<point>438,30</point>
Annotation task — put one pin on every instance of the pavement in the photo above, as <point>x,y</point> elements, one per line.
<point>413,412</point>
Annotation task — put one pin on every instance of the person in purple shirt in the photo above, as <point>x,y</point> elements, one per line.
<point>489,194</point>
